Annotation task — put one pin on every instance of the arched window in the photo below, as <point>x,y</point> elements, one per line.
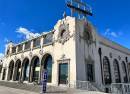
<point>25,69</point>
<point>17,70</point>
<point>47,65</point>
<point>124,72</point>
<point>106,71</point>
<point>116,71</point>
<point>35,68</point>
<point>63,33</point>
<point>10,72</point>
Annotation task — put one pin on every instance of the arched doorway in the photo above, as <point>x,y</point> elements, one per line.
<point>47,65</point>
<point>35,68</point>
<point>116,71</point>
<point>124,72</point>
<point>106,71</point>
<point>17,70</point>
<point>25,70</point>
<point>11,69</point>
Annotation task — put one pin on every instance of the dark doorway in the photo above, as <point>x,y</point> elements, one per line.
<point>25,70</point>
<point>90,72</point>
<point>11,69</point>
<point>47,65</point>
<point>63,73</point>
<point>35,68</point>
<point>17,70</point>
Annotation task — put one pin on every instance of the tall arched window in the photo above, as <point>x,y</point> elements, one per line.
<point>35,68</point>
<point>17,70</point>
<point>47,65</point>
<point>25,69</point>
<point>116,71</point>
<point>106,70</point>
<point>11,68</point>
<point>124,72</point>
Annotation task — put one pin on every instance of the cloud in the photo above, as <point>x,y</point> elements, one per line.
<point>1,55</point>
<point>6,40</point>
<point>114,34</point>
<point>28,34</point>
<point>111,33</point>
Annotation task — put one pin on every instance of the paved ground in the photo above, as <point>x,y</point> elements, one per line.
<point>7,90</point>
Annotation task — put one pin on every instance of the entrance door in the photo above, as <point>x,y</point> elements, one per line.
<point>63,73</point>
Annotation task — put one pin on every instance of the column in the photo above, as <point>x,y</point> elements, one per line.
<point>42,39</point>
<point>13,74</point>
<point>17,49</point>
<point>30,73</point>
<point>21,74</point>
<point>23,47</point>
<point>7,74</point>
<point>31,45</point>
<point>1,75</point>
<point>40,74</point>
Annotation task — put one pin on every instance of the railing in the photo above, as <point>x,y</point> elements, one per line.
<point>20,48</point>
<point>27,45</point>
<point>36,42</point>
<point>48,38</point>
<point>13,50</point>
<point>120,88</point>
<point>86,85</point>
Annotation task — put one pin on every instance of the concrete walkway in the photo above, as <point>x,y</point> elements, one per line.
<point>7,90</point>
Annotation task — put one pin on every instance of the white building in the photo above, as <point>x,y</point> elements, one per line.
<point>72,52</point>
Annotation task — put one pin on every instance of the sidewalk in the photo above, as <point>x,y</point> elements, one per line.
<point>7,90</point>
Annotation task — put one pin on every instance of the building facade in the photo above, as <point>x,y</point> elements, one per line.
<point>73,51</point>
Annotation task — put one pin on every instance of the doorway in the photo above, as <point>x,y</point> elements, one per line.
<point>63,73</point>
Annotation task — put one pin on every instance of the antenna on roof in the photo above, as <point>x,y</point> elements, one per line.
<point>77,6</point>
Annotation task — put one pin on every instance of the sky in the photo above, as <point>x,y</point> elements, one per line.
<point>20,19</point>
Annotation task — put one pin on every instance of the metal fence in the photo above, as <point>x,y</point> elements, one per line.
<point>120,88</point>
<point>86,85</point>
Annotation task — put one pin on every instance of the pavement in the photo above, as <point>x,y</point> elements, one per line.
<point>7,90</point>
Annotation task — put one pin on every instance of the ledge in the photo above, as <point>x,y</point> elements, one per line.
<point>36,47</point>
<point>51,43</point>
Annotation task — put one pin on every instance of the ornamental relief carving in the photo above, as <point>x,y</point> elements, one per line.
<point>87,34</point>
<point>64,33</point>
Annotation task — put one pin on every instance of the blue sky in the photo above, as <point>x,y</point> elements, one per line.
<point>111,18</point>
